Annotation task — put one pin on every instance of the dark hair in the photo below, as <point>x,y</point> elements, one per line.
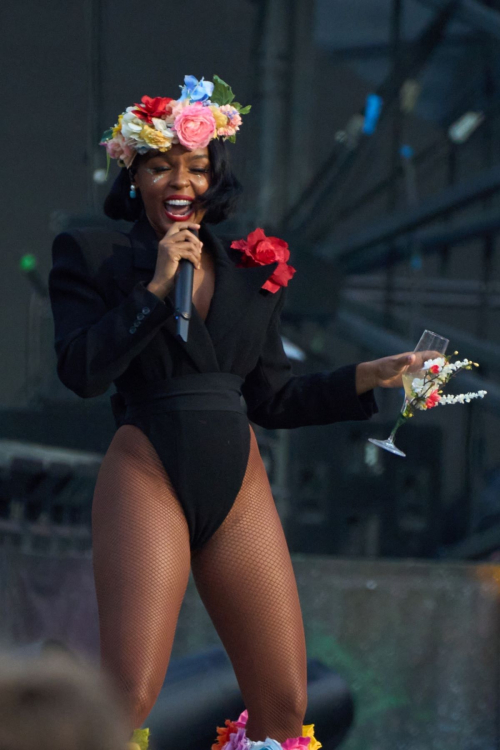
<point>219,200</point>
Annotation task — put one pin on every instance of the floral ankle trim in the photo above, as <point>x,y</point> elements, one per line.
<point>232,736</point>
<point>141,738</point>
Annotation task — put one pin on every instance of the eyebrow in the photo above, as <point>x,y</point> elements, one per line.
<point>191,157</point>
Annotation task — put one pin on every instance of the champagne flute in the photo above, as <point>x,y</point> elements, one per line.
<point>434,346</point>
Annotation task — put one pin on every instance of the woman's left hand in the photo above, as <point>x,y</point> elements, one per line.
<point>386,372</point>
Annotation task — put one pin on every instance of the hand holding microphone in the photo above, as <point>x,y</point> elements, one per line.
<point>179,253</point>
<point>179,242</point>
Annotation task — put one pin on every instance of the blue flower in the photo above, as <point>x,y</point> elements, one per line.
<point>268,744</point>
<point>196,91</point>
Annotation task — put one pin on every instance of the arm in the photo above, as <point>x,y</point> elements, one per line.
<point>278,399</point>
<point>95,345</point>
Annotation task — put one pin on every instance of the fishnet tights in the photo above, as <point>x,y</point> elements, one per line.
<point>243,573</point>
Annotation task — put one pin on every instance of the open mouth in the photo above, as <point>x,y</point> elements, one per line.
<point>179,209</point>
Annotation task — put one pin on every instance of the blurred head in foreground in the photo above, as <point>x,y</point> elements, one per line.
<point>54,703</point>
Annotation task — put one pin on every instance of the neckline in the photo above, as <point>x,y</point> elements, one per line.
<point>146,235</point>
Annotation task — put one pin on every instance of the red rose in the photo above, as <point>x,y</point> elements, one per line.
<point>435,369</point>
<point>259,250</point>
<point>153,107</point>
<point>433,400</point>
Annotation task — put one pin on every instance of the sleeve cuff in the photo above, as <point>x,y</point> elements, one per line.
<point>149,306</point>
<point>361,406</point>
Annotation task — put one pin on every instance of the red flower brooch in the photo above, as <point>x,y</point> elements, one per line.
<point>259,250</point>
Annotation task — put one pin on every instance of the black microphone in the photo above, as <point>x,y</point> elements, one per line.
<point>184,296</point>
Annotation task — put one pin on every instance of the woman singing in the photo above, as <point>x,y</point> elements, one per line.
<point>182,485</point>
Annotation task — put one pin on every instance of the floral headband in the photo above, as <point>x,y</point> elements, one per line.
<point>204,111</point>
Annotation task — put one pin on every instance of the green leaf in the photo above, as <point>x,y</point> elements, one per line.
<point>107,135</point>
<point>222,93</point>
<point>241,109</point>
<point>232,139</point>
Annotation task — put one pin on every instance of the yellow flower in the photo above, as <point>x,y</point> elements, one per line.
<point>118,126</point>
<point>308,731</point>
<point>155,139</point>
<point>141,738</point>
<point>220,118</point>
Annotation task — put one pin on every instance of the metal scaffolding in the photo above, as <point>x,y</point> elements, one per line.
<point>415,223</point>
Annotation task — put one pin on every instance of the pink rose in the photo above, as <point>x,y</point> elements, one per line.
<point>117,148</point>
<point>195,126</point>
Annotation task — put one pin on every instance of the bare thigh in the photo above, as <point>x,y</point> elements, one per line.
<point>141,561</point>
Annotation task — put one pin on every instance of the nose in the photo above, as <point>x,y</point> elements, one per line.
<point>179,177</point>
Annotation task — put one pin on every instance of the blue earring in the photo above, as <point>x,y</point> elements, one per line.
<point>133,192</point>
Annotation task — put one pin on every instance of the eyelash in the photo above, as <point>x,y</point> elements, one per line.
<point>159,170</point>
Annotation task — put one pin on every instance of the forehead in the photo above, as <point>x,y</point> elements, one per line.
<point>175,154</point>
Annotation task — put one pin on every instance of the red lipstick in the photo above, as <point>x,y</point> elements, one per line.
<point>179,207</point>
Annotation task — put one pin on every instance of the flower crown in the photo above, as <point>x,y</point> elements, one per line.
<point>204,111</point>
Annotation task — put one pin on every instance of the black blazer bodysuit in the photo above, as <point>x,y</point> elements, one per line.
<point>187,398</point>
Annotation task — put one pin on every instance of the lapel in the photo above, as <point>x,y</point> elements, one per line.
<point>236,289</point>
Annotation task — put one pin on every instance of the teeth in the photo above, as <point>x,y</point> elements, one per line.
<point>178,203</point>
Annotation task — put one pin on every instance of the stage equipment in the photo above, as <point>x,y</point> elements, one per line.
<point>348,498</point>
<point>201,691</point>
<point>409,95</point>
<point>311,216</point>
<point>410,176</point>
<point>28,266</point>
<point>352,133</point>
<point>476,14</point>
<point>461,130</point>
<point>45,498</point>
<point>351,252</point>
<point>427,241</point>
<point>373,109</point>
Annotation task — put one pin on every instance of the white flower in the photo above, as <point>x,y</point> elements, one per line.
<point>131,127</point>
<point>418,384</point>
<point>439,361</point>
<point>163,127</point>
<point>462,398</point>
